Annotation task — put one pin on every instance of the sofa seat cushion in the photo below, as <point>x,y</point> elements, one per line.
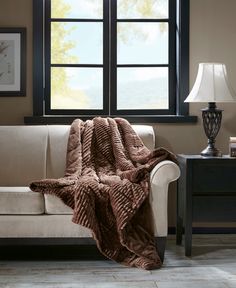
<point>20,200</point>
<point>37,226</point>
<point>54,205</point>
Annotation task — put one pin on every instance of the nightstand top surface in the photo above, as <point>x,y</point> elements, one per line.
<point>199,157</point>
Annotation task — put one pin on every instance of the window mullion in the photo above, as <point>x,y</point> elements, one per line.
<point>38,61</point>
<point>182,53</point>
<point>113,56</point>
<point>47,57</point>
<point>106,57</point>
<point>172,57</point>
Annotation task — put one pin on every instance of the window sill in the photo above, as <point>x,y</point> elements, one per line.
<point>64,119</point>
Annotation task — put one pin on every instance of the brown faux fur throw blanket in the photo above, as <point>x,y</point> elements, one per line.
<point>106,183</point>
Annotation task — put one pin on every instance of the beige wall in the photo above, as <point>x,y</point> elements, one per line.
<point>212,39</point>
<point>17,13</point>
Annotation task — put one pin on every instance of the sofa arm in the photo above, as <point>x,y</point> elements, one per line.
<point>162,174</point>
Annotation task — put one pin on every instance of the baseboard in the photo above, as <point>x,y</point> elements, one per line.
<point>207,230</point>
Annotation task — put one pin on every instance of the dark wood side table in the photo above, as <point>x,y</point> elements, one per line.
<point>206,192</point>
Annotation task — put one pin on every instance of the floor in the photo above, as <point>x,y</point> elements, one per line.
<point>213,264</point>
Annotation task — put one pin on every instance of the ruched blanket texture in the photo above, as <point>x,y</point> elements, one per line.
<point>106,183</point>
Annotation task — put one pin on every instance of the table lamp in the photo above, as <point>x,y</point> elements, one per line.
<point>211,86</point>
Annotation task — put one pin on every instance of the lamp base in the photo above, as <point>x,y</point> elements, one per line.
<point>211,117</point>
<point>211,152</point>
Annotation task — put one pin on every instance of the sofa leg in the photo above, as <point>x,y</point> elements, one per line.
<point>161,246</point>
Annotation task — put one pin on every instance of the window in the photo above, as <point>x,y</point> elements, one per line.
<point>111,57</point>
<point>77,54</point>
<point>142,57</point>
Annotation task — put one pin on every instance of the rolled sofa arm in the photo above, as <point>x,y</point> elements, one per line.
<point>160,177</point>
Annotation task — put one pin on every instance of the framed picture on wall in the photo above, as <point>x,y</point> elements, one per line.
<point>12,62</point>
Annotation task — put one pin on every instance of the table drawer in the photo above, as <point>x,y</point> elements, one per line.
<point>214,208</point>
<point>209,178</point>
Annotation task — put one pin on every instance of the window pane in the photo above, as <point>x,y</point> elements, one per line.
<point>142,43</point>
<point>77,9</point>
<point>70,43</point>
<point>142,9</point>
<point>142,88</point>
<point>76,88</point>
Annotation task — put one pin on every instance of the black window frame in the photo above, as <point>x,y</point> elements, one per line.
<point>178,78</point>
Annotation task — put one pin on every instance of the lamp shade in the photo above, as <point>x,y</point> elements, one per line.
<point>211,85</point>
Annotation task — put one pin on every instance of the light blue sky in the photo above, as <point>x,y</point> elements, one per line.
<point>146,44</point>
<point>94,8</point>
<point>82,8</point>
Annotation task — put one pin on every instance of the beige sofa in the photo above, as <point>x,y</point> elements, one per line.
<point>29,153</point>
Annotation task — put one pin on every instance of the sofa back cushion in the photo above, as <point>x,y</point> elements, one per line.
<point>57,148</point>
<point>30,153</point>
<point>146,133</point>
<point>22,154</point>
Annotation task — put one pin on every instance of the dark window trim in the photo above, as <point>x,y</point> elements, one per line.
<point>75,20</point>
<point>182,54</point>
<point>182,63</point>
<point>66,119</point>
<point>38,55</point>
<point>47,57</point>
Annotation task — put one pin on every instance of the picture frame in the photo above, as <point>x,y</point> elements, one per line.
<point>12,62</point>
